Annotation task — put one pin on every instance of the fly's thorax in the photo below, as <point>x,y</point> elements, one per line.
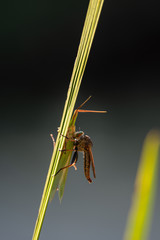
<point>83,143</point>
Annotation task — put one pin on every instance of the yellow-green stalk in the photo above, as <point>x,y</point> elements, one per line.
<point>92,17</point>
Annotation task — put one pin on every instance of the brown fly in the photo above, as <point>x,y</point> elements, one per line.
<point>82,143</point>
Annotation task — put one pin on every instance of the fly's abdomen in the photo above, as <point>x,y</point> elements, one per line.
<point>87,166</point>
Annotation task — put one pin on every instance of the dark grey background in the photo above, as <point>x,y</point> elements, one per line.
<point>39,41</point>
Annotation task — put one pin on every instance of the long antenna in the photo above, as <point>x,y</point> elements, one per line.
<point>84,103</point>
<point>82,110</point>
<point>94,111</point>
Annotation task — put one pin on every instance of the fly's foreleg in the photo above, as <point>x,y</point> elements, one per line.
<point>70,139</point>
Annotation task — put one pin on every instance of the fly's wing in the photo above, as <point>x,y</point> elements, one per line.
<point>92,161</point>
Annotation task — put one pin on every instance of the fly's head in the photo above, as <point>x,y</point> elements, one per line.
<point>78,134</point>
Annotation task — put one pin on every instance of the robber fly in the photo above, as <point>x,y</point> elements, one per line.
<point>82,143</point>
<point>75,141</point>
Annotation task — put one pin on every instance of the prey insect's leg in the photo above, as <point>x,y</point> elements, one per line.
<point>51,135</point>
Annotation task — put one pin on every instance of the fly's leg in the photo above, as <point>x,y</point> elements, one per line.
<point>70,139</point>
<point>74,160</point>
<point>66,150</point>
<point>70,165</point>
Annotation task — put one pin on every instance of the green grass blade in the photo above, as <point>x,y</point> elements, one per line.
<point>89,28</point>
<point>140,214</point>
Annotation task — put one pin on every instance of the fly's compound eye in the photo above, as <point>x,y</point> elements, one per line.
<point>78,134</point>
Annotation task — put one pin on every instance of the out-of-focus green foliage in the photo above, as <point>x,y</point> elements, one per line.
<point>139,218</point>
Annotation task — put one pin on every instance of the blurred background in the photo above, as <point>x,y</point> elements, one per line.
<point>39,41</point>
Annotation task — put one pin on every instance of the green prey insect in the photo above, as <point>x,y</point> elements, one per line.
<point>75,141</point>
